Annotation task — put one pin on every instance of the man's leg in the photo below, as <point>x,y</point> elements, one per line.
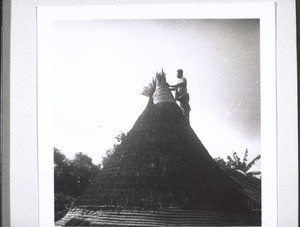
<point>185,107</point>
<point>187,115</point>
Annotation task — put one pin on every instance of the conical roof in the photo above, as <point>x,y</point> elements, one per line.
<point>162,175</point>
<point>161,163</point>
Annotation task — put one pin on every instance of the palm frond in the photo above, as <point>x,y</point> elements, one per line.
<point>243,166</point>
<point>230,163</point>
<point>229,159</point>
<point>236,159</point>
<point>149,90</point>
<point>254,173</point>
<point>245,156</point>
<point>252,163</point>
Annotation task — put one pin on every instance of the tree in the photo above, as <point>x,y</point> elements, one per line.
<point>82,171</point>
<point>61,171</point>
<point>61,182</point>
<point>72,176</point>
<point>59,158</point>
<point>235,163</point>
<point>110,151</point>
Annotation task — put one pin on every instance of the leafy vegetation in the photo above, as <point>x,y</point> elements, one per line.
<point>235,163</point>
<point>71,177</point>
<point>109,152</point>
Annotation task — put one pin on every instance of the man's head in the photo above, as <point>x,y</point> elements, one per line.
<point>179,73</point>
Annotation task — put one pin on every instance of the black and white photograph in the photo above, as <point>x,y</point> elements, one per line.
<point>149,113</point>
<point>188,156</point>
<point>155,121</point>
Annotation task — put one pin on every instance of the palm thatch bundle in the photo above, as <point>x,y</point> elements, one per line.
<point>149,90</point>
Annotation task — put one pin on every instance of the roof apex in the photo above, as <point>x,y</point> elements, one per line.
<point>162,92</point>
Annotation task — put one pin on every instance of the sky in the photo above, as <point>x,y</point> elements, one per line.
<point>100,68</point>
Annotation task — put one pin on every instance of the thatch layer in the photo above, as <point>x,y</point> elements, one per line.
<point>162,163</point>
<point>248,186</point>
<point>162,217</point>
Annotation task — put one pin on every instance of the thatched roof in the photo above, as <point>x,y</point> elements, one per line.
<point>162,217</point>
<point>249,186</point>
<point>162,164</point>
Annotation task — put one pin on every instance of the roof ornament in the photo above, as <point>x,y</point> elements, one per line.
<point>162,92</point>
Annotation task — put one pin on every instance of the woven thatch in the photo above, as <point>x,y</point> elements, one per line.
<point>162,217</point>
<point>247,185</point>
<point>161,163</point>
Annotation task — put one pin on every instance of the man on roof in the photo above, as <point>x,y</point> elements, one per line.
<point>181,94</point>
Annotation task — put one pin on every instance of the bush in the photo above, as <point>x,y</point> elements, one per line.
<point>62,204</point>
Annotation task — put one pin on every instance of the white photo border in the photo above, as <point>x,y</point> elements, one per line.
<point>265,12</point>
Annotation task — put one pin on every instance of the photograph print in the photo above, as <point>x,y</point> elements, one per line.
<point>157,122</point>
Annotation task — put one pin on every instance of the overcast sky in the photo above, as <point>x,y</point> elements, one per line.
<point>100,67</point>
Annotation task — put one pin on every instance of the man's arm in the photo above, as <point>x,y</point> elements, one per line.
<point>172,87</point>
<point>181,83</point>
